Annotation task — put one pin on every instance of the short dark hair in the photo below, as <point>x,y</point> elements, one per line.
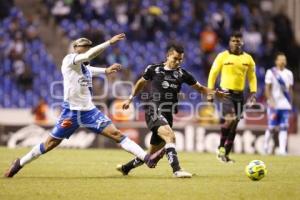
<point>236,34</point>
<point>175,47</point>
<point>279,53</point>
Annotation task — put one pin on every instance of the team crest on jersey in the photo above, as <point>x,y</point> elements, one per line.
<point>180,73</point>
<point>158,71</point>
<point>176,74</point>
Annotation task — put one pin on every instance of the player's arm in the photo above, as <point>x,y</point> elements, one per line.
<point>213,74</point>
<point>139,86</point>
<point>268,88</point>
<point>109,70</point>
<point>97,50</point>
<point>209,92</point>
<point>251,75</point>
<point>291,88</point>
<point>190,80</point>
<point>291,94</point>
<point>201,89</point>
<point>270,100</point>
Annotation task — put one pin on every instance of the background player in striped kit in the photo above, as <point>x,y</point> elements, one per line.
<point>279,93</point>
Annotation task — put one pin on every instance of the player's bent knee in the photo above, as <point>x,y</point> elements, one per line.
<point>167,135</point>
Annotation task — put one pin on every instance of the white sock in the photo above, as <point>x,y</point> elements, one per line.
<point>282,141</point>
<point>133,148</point>
<point>170,145</point>
<point>35,152</point>
<point>172,156</point>
<point>267,140</point>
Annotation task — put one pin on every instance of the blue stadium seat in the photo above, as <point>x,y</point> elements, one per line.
<point>139,53</point>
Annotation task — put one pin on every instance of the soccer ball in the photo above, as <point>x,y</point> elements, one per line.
<point>256,170</point>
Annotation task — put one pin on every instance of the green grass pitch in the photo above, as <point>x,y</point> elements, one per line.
<point>90,174</point>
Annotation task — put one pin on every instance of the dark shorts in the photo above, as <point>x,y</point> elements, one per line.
<point>155,119</point>
<point>234,104</point>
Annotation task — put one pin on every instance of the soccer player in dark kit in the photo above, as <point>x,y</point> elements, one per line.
<point>235,67</point>
<point>166,81</point>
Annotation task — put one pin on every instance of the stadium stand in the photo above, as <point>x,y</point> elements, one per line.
<point>150,26</point>
<point>27,69</point>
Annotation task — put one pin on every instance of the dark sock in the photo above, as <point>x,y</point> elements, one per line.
<point>229,142</point>
<point>223,137</point>
<point>228,146</point>
<point>231,136</point>
<point>132,164</point>
<point>173,159</point>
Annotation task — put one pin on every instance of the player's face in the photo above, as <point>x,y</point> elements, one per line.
<point>82,49</point>
<point>174,59</point>
<point>280,61</point>
<point>235,44</point>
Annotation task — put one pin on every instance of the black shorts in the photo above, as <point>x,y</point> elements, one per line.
<point>234,104</point>
<point>155,119</point>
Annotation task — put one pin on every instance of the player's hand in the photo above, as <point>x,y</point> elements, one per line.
<point>117,38</point>
<point>221,94</point>
<point>113,68</point>
<point>251,99</point>
<point>210,95</point>
<point>216,93</point>
<point>126,104</point>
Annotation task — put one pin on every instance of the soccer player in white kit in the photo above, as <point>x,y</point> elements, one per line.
<point>78,109</point>
<point>279,94</point>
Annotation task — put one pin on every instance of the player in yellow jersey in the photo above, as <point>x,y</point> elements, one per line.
<point>234,66</point>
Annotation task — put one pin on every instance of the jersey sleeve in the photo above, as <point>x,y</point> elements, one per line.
<point>68,60</point>
<point>251,74</point>
<point>268,77</point>
<point>188,78</point>
<point>96,71</point>
<point>149,73</point>
<point>291,78</point>
<point>214,71</point>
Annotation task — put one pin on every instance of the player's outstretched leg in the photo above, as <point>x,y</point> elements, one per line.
<point>167,134</point>
<point>35,152</point>
<point>223,138</point>
<point>136,162</point>
<point>228,131</point>
<point>126,168</point>
<point>230,141</point>
<point>130,146</point>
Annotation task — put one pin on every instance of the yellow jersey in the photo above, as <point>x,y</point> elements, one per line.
<point>234,70</point>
